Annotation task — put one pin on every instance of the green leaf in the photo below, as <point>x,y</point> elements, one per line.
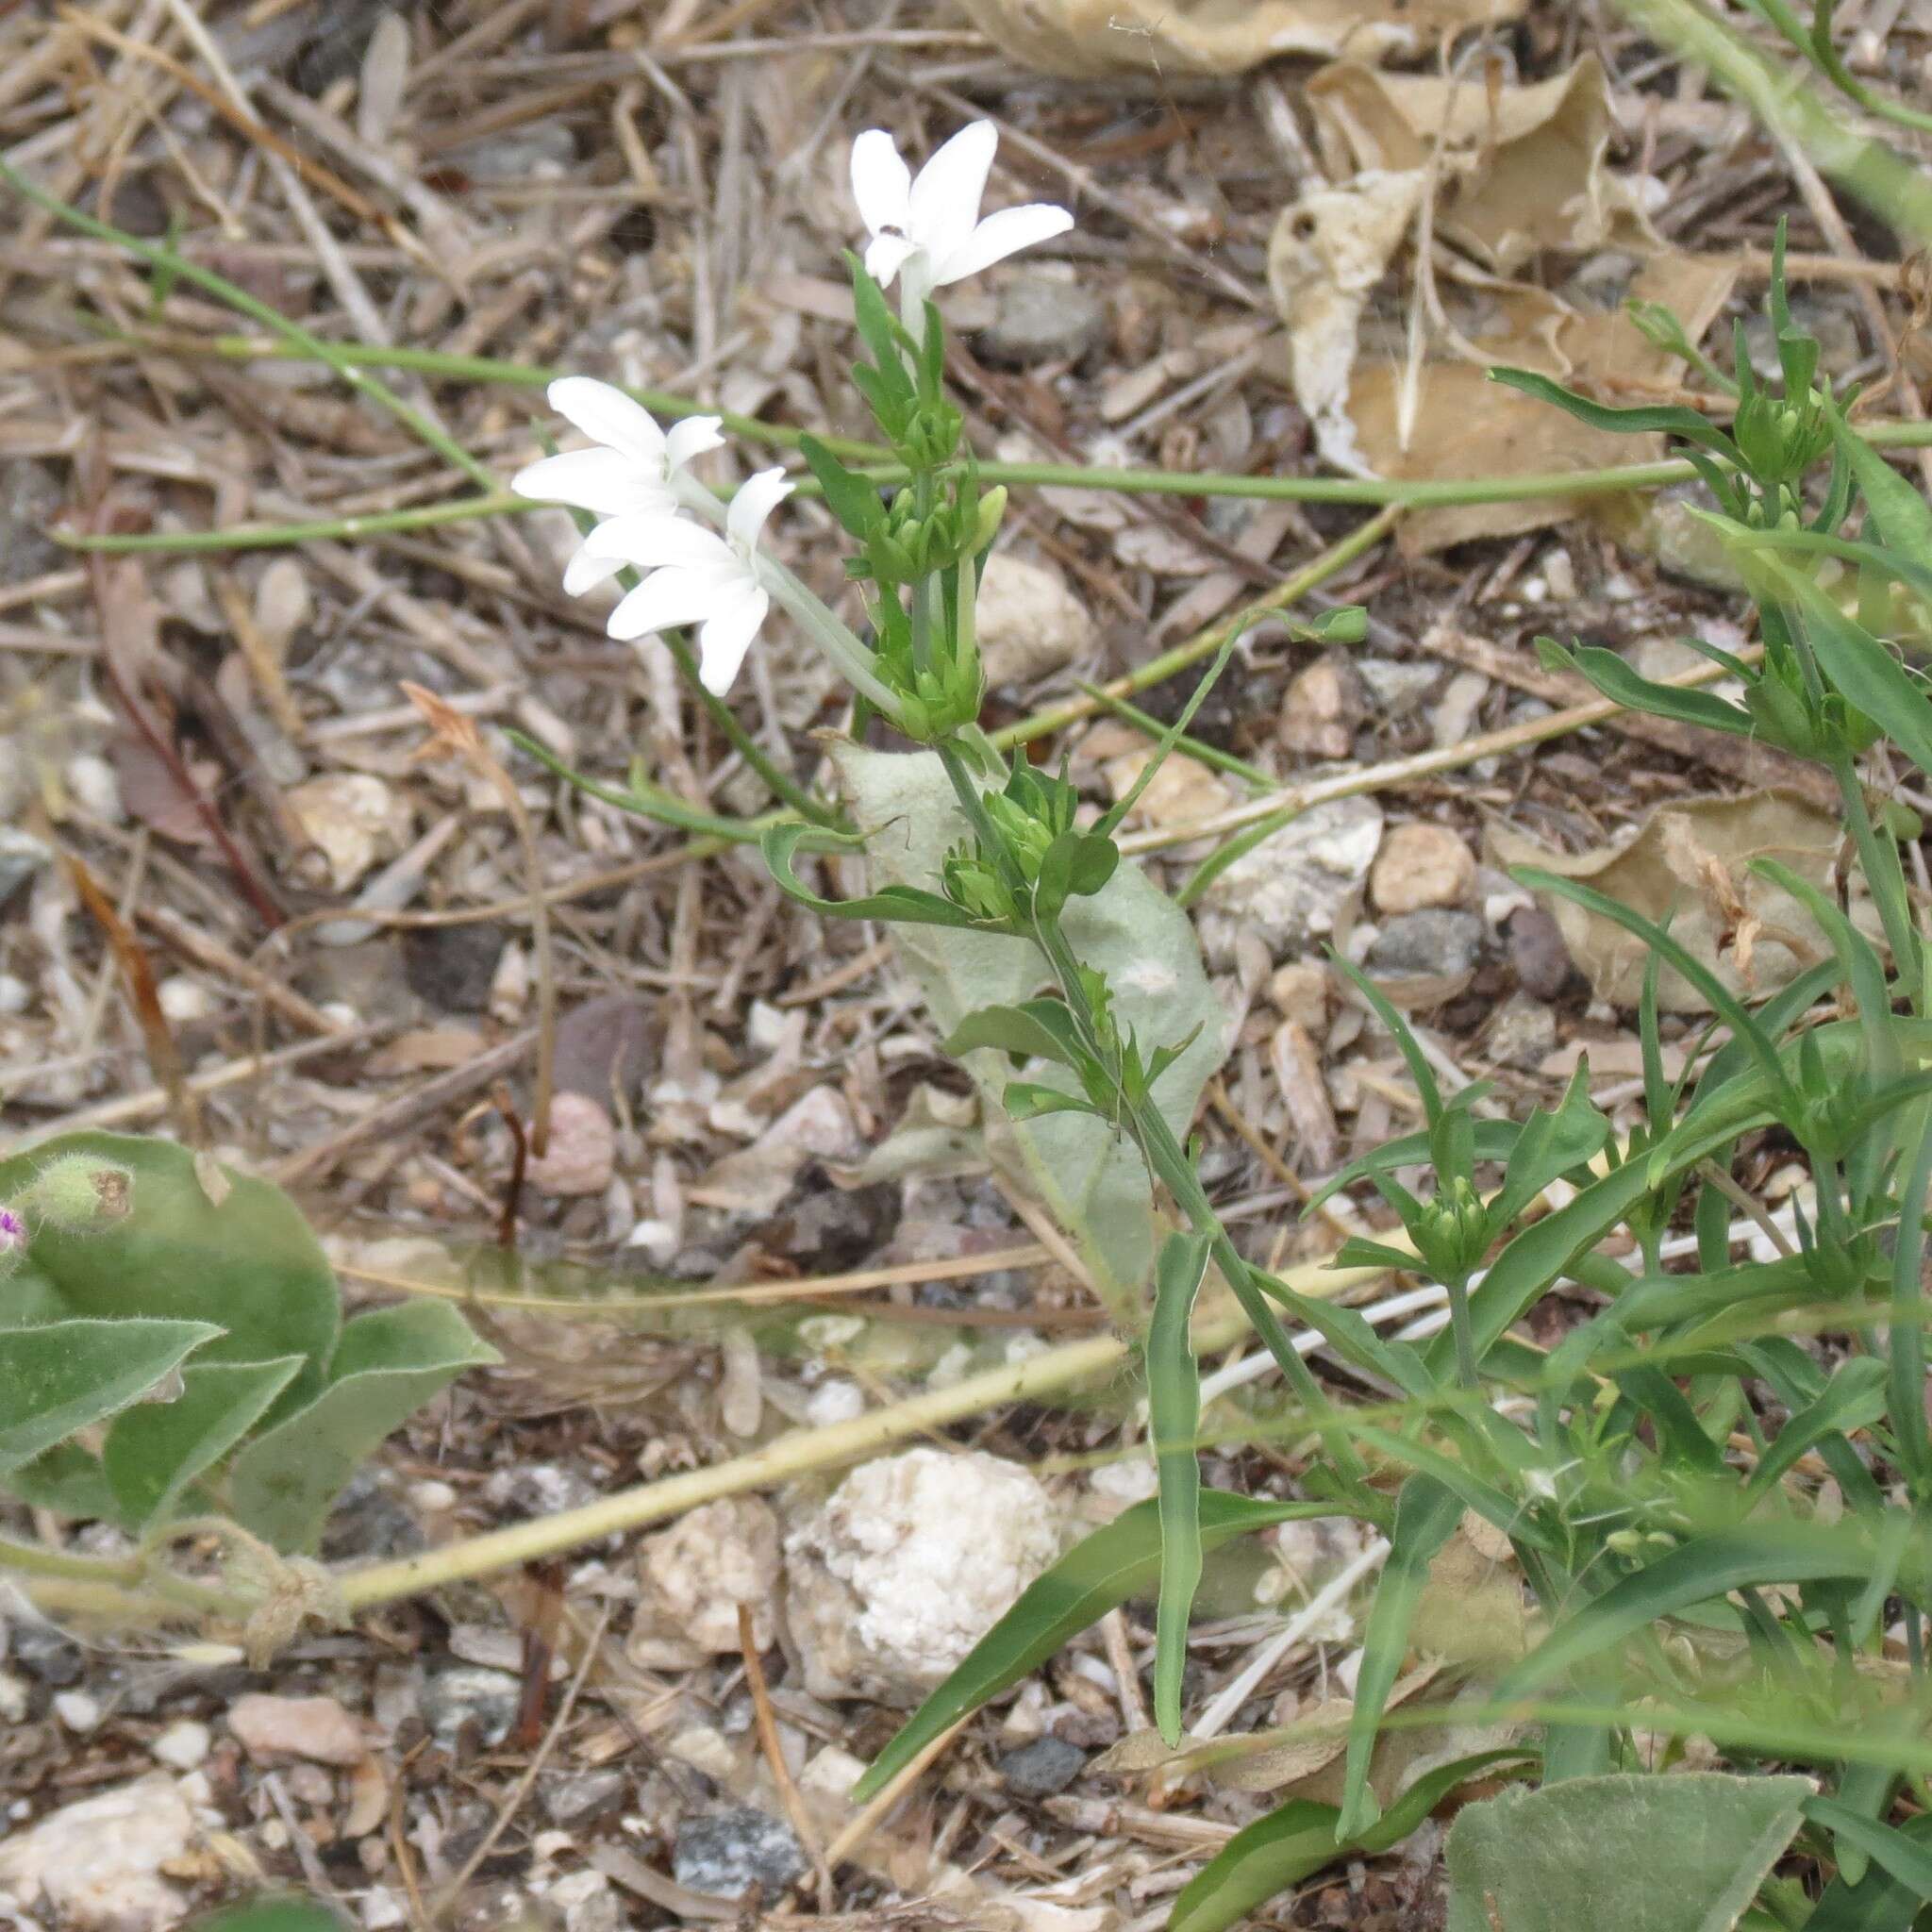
<point>1877,1901</point>
<point>1427,1513</point>
<point>1491,1141</point>
<point>1672,418</point>
<point>1909,1862</point>
<point>1298,1839</point>
<point>1850,656</point>
<point>1174,1409</point>
<point>1028,1100</point>
<point>1902,515</point>
<point>899,904</point>
<point>1611,676</point>
<point>1708,1566</point>
<point>391,1361</point>
<point>854,499</point>
<point>1075,866</point>
<point>288,1912</point>
<point>1721,1001</point>
<point>1550,1145</point>
<point>1089,1178</point>
<point>1679,1854</point>
<point>249,1264</point>
<point>1037,1029</point>
<point>1403,1034</point>
<point>155,1450</point>
<point>1117,1562</point>
<point>1854,1398</point>
<point>63,1376</point>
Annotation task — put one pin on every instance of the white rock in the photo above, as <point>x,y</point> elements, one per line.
<point>183,1745</point>
<point>908,1562</point>
<point>1421,865</point>
<point>354,817</point>
<point>818,1126</point>
<point>1030,623</point>
<point>15,1696</point>
<point>1452,717</point>
<point>581,1153</point>
<point>831,1773</point>
<point>1322,706</point>
<point>834,1401</point>
<point>95,1866</point>
<point>78,1711</point>
<point>184,1000</point>
<point>693,1577</point>
<point>1289,888</point>
<point>95,787</point>
<point>317,1729</point>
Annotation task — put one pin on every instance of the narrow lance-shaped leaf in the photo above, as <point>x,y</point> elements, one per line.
<point>1611,676</point>
<point>1672,418</point>
<point>902,904</point>
<point>1117,1562</point>
<point>1426,1512</point>
<point>1297,1840</point>
<point>1709,1566</point>
<point>1173,1408</point>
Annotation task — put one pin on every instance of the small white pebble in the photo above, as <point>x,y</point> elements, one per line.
<point>78,1711</point>
<point>431,1496</point>
<point>184,1000</point>
<point>95,789</point>
<point>13,1696</point>
<point>182,1745</point>
<point>15,994</point>
<point>836,1400</point>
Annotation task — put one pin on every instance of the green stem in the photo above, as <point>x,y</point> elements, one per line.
<point>116,1574</point>
<point>1884,876</point>
<point>741,740</point>
<point>1794,106</point>
<point>1163,1153</point>
<point>347,362</point>
<point>1467,1370</point>
<point>1187,746</point>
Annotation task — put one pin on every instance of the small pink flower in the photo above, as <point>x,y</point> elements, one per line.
<point>13,1239</point>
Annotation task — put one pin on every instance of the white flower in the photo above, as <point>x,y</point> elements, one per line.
<point>929,228</point>
<point>630,472</point>
<point>693,576</point>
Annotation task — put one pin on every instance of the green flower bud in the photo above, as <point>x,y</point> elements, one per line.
<point>79,1194</point>
<point>993,507</point>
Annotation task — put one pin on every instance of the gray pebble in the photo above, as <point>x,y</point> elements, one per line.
<point>1435,943</point>
<point>467,1694</point>
<point>1042,319</point>
<point>1042,1768</point>
<point>583,1795</point>
<point>1542,962</point>
<point>724,1854</point>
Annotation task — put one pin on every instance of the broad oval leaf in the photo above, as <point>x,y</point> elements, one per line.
<point>1679,1854</point>
<point>59,1377</point>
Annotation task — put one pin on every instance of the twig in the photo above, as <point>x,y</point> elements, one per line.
<point>774,1748</point>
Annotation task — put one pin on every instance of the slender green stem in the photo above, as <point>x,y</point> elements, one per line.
<point>1165,1157</point>
<point>1468,1373</point>
<point>1187,746</point>
<point>1884,876</point>
<point>747,747</point>
<point>1792,106</point>
<point>347,362</point>
<point>115,1575</point>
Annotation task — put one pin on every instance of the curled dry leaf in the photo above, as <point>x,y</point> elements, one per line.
<point>1508,173</point>
<point>1090,39</point>
<point>1689,862</point>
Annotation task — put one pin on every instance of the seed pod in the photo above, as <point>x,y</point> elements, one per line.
<point>79,1194</point>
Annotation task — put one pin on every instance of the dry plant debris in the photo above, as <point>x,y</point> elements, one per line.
<point>350,949</point>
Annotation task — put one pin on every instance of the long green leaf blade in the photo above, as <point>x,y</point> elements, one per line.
<point>1174,1409</point>
<point>1099,1573</point>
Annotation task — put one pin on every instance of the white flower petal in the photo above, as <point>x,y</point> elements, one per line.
<point>665,598</point>
<point>757,498</point>
<point>690,437</point>
<point>886,256</point>
<point>661,541</point>
<point>1001,235</point>
<point>608,416</point>
<point>601,481</point>
<point>946,196</point>
<point>881,183</point>
<point>586,570</point>
<point>726,636</point>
